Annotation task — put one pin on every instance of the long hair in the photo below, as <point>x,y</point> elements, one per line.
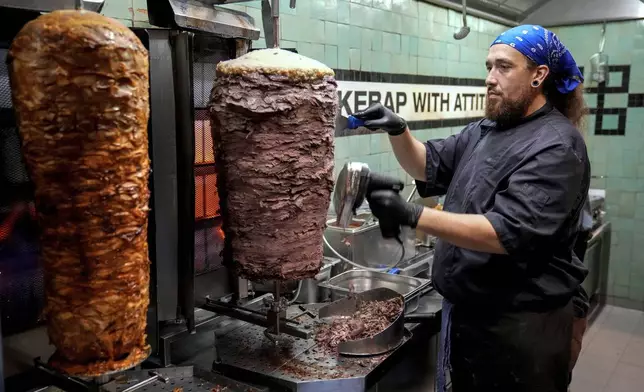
<point>571,105</point>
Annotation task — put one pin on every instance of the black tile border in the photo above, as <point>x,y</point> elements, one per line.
<point>621,126</point>
<point>379,77</point>
<point>634,100</point>
<point>626,79</point>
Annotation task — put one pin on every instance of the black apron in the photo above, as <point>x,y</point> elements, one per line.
<point>510,352</point>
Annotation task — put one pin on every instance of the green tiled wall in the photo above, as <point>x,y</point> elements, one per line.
<point>391,36</point>
<point>620,159</point>
<point>415,37</point>
<point>132,13</point>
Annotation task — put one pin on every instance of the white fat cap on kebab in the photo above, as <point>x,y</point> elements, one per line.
<point>275,61</point>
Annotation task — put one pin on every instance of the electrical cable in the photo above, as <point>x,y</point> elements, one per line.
<point>338,255</point>
<point>297,293</point>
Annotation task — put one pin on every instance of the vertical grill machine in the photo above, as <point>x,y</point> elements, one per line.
<point>188,275</point>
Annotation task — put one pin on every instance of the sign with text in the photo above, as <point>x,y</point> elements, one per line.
<point>414,102</point>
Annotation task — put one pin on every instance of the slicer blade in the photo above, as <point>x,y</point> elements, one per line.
<point>349,191</point>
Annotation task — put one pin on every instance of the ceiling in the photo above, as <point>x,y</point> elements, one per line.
<point>515,10</point>
<point>558,12</point>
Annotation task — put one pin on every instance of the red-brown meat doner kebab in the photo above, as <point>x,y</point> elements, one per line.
<point>273,114</point>
<point>80,89</point>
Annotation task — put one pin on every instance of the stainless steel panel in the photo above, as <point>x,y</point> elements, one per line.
<point>163,215</point>
<point>220,21</point>
<point>604,260</point>
<point>420,265</point>
<point>595,259</point>
<point>52,5</point>
<point>310,291</point>
<point>592,261</point>
<point>365,245</point>
<point>358,281</point>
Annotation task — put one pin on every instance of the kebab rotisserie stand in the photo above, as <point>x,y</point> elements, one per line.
<point>260,339</point>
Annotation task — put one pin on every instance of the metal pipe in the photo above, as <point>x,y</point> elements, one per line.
<point>275,306</point>
<point>185,139</point>
<point>276,22</point>
<point>473,12</point>
<point>413,191</point>
<point>154,377</point>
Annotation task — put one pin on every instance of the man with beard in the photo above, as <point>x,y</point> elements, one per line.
<point>516,183</point>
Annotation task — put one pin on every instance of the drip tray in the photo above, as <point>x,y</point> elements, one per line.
<point>181,379</point>
<point>170,379</point>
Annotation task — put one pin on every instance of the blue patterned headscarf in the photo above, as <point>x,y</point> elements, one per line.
<point>544,48</point>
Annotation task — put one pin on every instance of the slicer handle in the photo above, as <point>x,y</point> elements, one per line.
<point>380,182</point>
<point>419,317</point>
<point>389,230</point>
<point>354,122</point>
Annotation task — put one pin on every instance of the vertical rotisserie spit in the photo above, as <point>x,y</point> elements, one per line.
<point>80,89</point>
<point>273,115</point>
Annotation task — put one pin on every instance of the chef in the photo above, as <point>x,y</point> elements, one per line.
<point>515,185</point>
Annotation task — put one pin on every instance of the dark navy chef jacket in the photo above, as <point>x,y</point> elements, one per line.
<point>530,181</point>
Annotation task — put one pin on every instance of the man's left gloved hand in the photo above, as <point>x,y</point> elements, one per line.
<point>389,206</point>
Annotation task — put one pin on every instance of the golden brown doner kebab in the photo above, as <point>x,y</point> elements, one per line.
<point>80,89</point>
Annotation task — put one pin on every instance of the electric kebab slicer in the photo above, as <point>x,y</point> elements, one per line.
<point>354,183</point>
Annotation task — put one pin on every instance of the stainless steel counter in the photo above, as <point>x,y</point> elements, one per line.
<point>597,259</point>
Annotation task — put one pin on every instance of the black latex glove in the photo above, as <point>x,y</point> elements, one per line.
<point>377,117</point>
<point>390,207</point>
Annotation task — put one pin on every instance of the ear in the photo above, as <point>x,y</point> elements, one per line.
<point>540,74</point>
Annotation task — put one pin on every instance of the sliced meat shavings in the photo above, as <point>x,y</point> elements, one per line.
<point>371,318</point>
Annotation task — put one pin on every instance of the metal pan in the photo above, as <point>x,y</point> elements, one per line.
<point>389,339</point>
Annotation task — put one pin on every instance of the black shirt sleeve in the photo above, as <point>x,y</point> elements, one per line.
<point>442,158</point>
<point>539,198</point>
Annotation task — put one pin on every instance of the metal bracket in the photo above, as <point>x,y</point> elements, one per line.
<point>155,376</point>
<point>203,16</point>
<point>270,21</point>
<point>52,5</point>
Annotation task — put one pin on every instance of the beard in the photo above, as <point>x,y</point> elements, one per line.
<point>505,111</point>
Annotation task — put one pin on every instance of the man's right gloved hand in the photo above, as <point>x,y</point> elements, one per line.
<point>377,117</point>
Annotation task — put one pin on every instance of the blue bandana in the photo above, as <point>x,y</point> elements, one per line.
<point>544,48</point>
